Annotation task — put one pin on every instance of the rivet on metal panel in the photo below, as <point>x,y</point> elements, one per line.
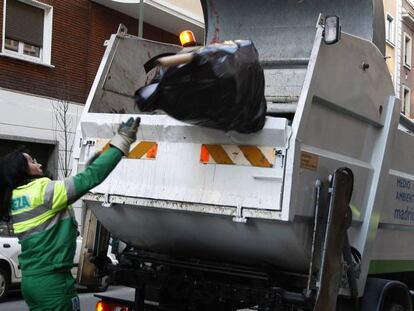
<point>364,66</point>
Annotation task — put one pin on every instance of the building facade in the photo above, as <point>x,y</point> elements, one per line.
<point>399,30</point>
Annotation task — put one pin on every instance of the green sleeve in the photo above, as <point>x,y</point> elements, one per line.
<point>96,172</point>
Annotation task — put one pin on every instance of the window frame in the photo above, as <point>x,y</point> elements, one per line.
<point>404,103</point>
<point>20,51</point>
<point>46,49</point>
<point>407,63</point>
<point>389,33</point>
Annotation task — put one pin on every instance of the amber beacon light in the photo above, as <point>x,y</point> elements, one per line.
<point>187,38</point>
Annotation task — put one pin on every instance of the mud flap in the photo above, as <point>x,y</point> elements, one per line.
<point>94,245</point>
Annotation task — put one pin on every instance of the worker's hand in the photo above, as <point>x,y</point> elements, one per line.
<point>127,134</point>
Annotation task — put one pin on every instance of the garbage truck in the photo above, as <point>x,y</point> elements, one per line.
<point>313,212</point>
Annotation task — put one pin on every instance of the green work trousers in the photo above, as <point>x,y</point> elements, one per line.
<point>50,292</point>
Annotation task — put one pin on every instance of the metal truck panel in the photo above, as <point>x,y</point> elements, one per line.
<point>392,251</point>
<point>206,235</point>
<point>162,127</point>
<point>123,72</point>
<point>178,174</point>
<point>337,123</point>
<point>283,86</point>
<point>284,29</point>
<point>346,116</point>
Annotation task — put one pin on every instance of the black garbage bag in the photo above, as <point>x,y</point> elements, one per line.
<point>222,88</point>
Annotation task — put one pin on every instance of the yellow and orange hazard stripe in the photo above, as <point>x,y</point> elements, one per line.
<point>210,153</point>
<point>146,150</point>
<point>238,155</point>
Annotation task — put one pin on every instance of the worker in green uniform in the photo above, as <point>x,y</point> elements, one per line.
<point>41,215</point>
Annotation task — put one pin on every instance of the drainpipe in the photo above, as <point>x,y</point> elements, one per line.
<point>141,19</point>
<point>140,14</point>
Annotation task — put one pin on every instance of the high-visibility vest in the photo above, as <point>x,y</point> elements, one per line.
<point>44,222</point>
<point>35,205</point>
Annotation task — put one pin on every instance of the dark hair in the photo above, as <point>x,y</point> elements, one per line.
<point>13,173</point>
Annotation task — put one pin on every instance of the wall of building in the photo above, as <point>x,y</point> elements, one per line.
<point>390,7</point>
<point>25,118</point>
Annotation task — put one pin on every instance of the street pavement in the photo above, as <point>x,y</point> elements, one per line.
<point>88,302</point>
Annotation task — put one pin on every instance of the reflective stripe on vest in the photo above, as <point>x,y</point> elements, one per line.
<point>45,225</point>
<point>35,204</point>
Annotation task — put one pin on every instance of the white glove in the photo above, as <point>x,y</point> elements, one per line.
<point>127,134</point>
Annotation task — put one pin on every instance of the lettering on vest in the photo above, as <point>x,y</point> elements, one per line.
<point>20,203</point>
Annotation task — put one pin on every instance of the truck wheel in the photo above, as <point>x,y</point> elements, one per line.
<point>4,283</point>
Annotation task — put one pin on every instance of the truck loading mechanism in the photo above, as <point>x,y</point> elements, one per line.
<point>224,236</point>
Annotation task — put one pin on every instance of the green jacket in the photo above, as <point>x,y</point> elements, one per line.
<point>43,217</point>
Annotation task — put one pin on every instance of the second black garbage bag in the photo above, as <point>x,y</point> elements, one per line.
<point>222,87</point>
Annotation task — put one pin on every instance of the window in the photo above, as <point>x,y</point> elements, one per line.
<point>389,29</point>
<point>27,30</point>
<point>406,103</point>
<point>407,51</point>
